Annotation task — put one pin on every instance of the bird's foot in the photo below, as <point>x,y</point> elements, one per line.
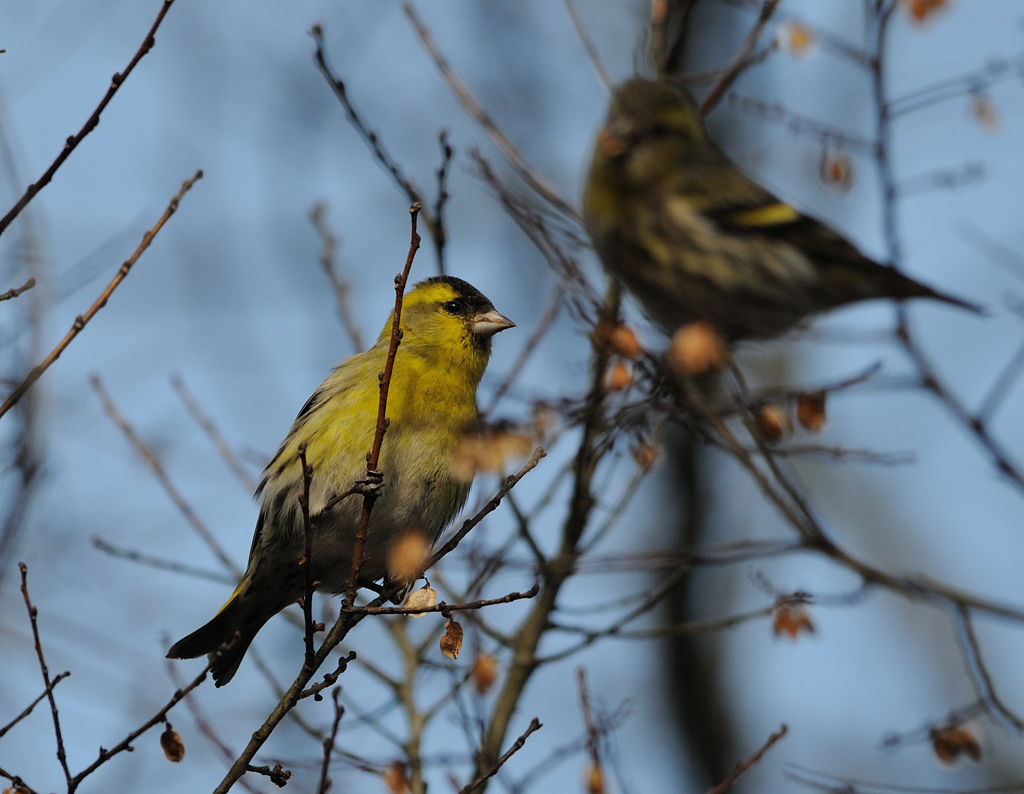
<point>371,484</point>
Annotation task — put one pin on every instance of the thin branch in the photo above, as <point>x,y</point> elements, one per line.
<point>490,507</point>
<point>382,407</point>
<point>588,44</point>
<point>222,446</point>
<point>743,766</point>
<point>535,724</point>
<point>161,564</point>
<point>342,289</point>
<point>153,463</point>
<point>739,62</point>
<point>339,710</point>
<point>307,555</point>
<point>515,158</point>
<point>443,607</point>
<point>156,719</point>
<point>14,293</point>
<point>28,709</point>
<point>439,233</point>
<point>82,320</point>
<point>32,616</point>
<point>73,140</point>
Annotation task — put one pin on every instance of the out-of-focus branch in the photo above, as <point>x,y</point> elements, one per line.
<point>740,61</point>
<point>28,709</point>
<point>534,725</point>
<point>340,285</point>
<point>143,450</point>
<point>73,140</point>
<point>588,44</point>
<point>82,320</point>
<point>535,180</point>
<point>745,765</point>
<point>339,710</point>
<point>434,223</point>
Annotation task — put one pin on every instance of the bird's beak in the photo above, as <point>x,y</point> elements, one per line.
<point>489,323</point>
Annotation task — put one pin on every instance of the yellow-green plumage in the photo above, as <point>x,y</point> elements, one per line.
<point>446,330</point>
<point>695,239</point>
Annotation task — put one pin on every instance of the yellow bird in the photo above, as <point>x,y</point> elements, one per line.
<point>693,238</point>
<point>447,326</point>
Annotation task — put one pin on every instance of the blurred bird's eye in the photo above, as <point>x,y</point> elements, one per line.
<point>453,307</point>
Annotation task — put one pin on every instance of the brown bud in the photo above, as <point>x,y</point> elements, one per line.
<point>645,455</point>
<point>173,746</point>
<point>791,619</point>
<point>622,341</point>
<point>952,741</point>
<point>921,11</point>
<point>422,598</point>
<point>810,410</point>
<point>595,780</point>
<point>407,556</point>
<point>795,38</point>
<point>395,779</point>
<point>485,671</point>
<point>451,642</point>
<point>985,112</point>
<point>773,423</point>
<point>697,348</point>
<point>619,377</point>
<point>836,170</point>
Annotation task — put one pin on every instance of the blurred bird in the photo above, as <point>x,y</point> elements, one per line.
<point>695,239</point>
<point>447,327</point>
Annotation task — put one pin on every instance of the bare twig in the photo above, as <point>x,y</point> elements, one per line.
<point>444,607</point>
<point>588,44</point>
<point>161,564</point>
<point>28,709</point>
<point>153,463</point>
<point>222,446</point>
<point>588,721</point>
<point>743,766</point>
<point>515,158</point>
<point>307,555</point>
<point>340,285</point>
<point>101,301</point>
<point>382,421</point>
<point>73,140</point>
<point>14,293</point>
<point>439,233</point>
<point>535,724</point>
<point>339,710</point>
<point>32,615</point>
<point>739,62</point>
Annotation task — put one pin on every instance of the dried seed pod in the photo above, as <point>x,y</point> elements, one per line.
<point>395,778</point>
<point>952,741</point>
<point>791,619</point>
<point>173,746</point>
<point>697,348</point>
<point>451,642</point>
<point>810,410</point>
<point>421,599</point>
<point>836,170</point>
<point>921,11</point>
<point>619,377</point>
<point>773,423</point>
<point>485,671</point>
<point>408,556</point>
<point>645,455</point>
<point>795,38</point>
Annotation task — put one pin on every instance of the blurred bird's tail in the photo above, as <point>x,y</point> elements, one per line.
<point>865,279</point>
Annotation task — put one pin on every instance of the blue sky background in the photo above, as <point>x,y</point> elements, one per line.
<point>231,297</point>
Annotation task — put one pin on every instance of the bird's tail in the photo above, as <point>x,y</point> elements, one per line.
<point>871,280</point>
<point>225,638</point>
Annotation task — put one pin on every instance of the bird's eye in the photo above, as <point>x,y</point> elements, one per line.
<point>453,307</point>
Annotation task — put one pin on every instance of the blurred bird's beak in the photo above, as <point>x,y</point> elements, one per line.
<point>489,323</point>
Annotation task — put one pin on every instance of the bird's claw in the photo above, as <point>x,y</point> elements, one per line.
<point>371,484</point>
